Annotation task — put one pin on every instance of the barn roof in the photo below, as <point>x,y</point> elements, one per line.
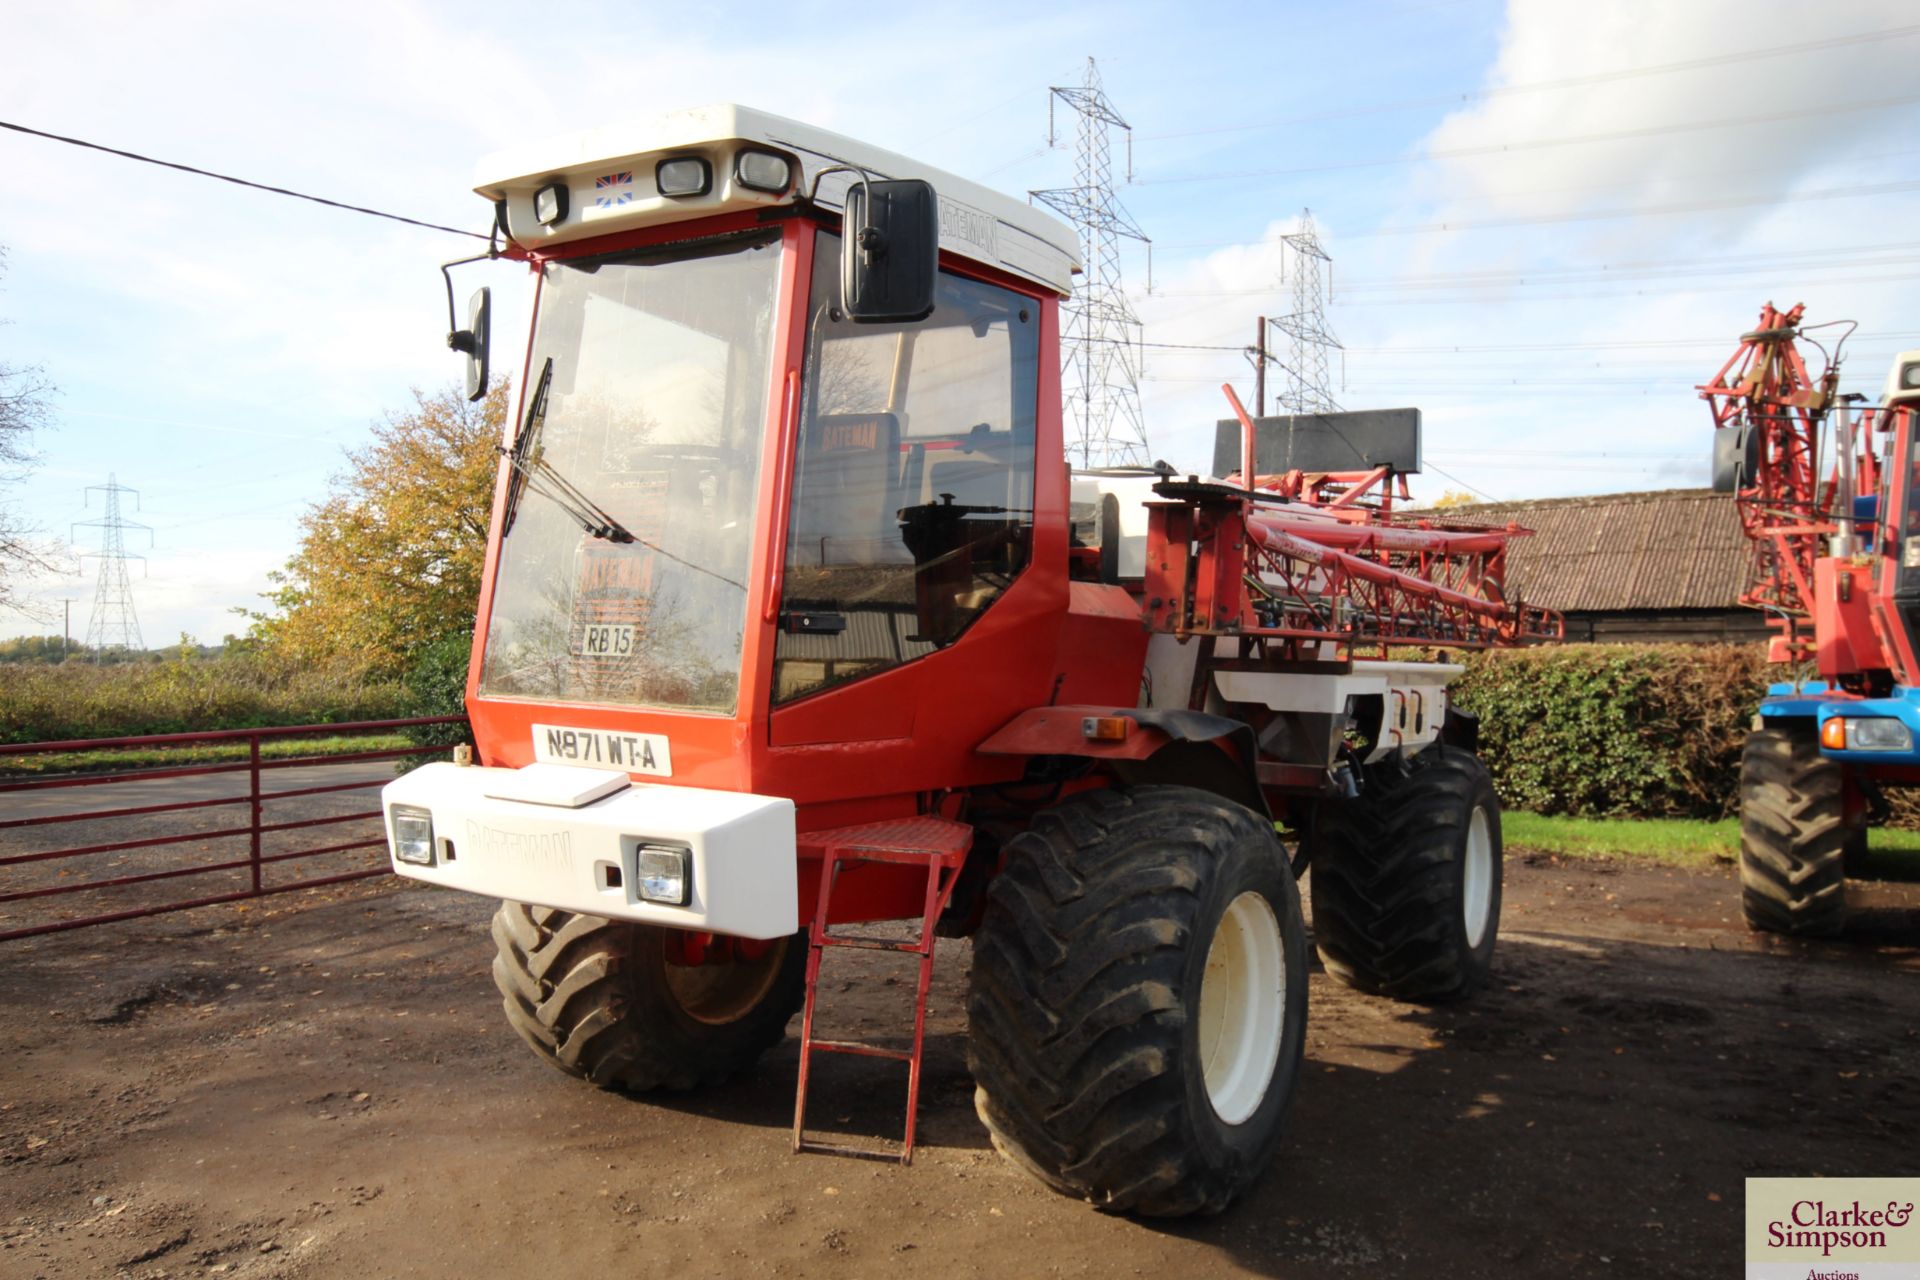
<point>1669,549</point>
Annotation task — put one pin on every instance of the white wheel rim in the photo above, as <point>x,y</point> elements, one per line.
<point>1476,888</point>
<point>1243,1005</point>
<point>723,992</point>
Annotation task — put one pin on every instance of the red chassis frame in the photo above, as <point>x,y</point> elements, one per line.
<point>899,743</point>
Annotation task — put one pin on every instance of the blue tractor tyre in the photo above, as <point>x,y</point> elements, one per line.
<point>1794,834</point>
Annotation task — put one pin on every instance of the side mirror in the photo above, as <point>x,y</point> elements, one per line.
<point>472,341</point>
<point>890,255</point>
<point>1736,457</point>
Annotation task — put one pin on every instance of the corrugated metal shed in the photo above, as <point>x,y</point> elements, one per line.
<point>1670,549</point>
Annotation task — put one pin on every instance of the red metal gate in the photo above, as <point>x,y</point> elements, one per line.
<point>24,875</point>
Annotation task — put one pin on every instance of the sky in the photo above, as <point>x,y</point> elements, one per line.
<point>1548,221</point>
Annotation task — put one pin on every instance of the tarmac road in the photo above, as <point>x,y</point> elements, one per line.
<point>137,793</point>
<point>213,786</point>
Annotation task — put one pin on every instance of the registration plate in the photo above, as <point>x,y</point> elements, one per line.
<point>606,748</point>
<point>603,639</point>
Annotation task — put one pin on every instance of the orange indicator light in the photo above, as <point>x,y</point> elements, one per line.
<point>1106,728</point>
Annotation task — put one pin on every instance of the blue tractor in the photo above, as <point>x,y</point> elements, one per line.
<point>1829,495</point>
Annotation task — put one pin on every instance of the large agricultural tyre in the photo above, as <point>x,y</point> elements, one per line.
<point>1793,835</point>
<point>1139,999</point>
<point>1407,878</point>
<point>599,999</point>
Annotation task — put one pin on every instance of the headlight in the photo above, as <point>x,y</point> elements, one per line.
<point>763,171</point>
<point>662,874</point>
<point>1877,733</point>
<point>412,835</point>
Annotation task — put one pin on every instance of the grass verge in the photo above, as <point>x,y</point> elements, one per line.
<point>110,759</point>
<point>1673,841</point>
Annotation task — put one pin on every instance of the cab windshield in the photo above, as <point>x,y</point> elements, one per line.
<point>650,378</point>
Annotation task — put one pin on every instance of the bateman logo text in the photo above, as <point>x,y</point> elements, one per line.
<point>545,851</point>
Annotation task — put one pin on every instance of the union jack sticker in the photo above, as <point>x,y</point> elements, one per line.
<point>613,189</point>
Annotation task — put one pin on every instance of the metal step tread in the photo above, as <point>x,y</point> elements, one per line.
<point>909,945</point>
<point>809,1146</point>
<point>912,840</point>
<point>861,1049</point>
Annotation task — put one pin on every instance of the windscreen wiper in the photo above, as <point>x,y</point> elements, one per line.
<point>531,470</point>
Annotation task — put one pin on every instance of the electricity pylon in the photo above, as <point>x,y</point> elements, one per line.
<point>113,624</point>
<point>1101,355</point>
<point>1309,374</point>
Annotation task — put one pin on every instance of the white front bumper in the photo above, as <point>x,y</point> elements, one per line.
<point>743,850</point>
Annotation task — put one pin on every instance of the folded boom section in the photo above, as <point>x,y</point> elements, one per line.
<point>1315,583</point>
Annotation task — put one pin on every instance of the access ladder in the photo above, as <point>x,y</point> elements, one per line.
<point>934,843</point>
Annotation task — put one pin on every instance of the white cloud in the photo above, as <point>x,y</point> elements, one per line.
<point>1663,153</point>
<point>1592,415</point>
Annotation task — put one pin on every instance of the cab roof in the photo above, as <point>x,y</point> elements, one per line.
<point>609,173</point>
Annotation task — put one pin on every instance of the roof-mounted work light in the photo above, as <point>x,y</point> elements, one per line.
<point>763,171</point>
<point>550,204</point>
<point>683,176</point>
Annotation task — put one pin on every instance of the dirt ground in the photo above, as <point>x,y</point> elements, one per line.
<point>325,1087</point>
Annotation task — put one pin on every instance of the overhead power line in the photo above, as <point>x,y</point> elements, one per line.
<point>1895,254</point>
<point>1577,290</point>
<point>1457,480</point>
<point>1588,468</point>
<point>1656,343</point>
<point>1890,254</point>
<point>1653,268</point>
<point>1537,144</point>
<point>1469,348</point>
<point>1588,453</point>
<point>1768,200</point>
<point>1539,86</point>
<point>238,182</point>
<point>1627,289</point>
<point>1694,179</point>
<point>1596,215</point>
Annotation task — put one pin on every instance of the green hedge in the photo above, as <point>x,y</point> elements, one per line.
<point>1617,730</point>
<point>437,686</point>
<point>1588,730</point>
<point>182,695</point>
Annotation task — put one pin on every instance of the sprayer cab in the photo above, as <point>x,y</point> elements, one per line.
<point>781,514</point>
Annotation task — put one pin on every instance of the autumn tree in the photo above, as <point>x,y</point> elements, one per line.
<point>389,562</point>
<point>23,409</point>
<point>1454,498</point>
